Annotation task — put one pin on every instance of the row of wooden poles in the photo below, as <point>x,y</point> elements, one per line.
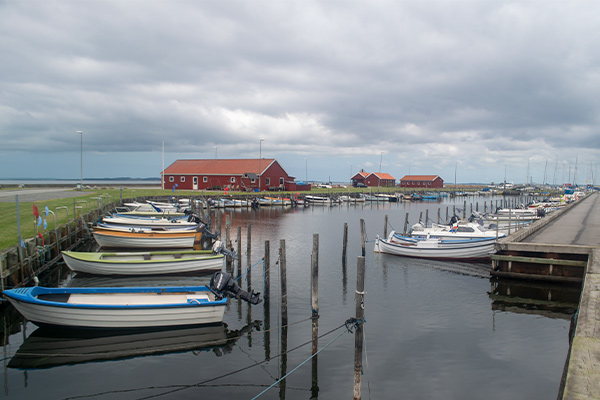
<point>282,261</point>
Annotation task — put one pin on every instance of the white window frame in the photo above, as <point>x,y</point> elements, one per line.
<point>232,179</point>
<point>182,179</point>
<point>171,179</point>
<point>205,179</point>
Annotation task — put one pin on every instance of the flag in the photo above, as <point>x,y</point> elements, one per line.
<point>47,211</point>
<point>39,221</point>
<point>22,243</point>
<point>40,235</point>
<point>36,213</point>
<point>45,224</point>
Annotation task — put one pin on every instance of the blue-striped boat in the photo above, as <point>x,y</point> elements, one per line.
<point>122,308</point>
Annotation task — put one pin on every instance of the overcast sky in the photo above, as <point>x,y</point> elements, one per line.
<point>486,90</point>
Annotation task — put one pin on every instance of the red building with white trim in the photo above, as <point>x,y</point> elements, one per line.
<point>422,182</point>
<point>234,174</point>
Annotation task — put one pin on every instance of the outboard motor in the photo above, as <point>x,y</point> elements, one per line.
<point>541,212</point>
<point>219,248</point>
<point>223,285</point>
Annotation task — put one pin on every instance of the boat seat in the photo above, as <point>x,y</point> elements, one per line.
<point>60,298</point>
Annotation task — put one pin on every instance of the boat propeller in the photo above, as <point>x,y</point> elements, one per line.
<point>223,285</point>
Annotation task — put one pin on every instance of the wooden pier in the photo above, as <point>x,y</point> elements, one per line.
<point>555,248</point>
<point>565,247</point>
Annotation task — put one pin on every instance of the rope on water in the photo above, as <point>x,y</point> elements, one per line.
<point>259,261</point>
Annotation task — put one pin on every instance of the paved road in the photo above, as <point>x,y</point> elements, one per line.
<point>578,226</point>
<point>41,194</point>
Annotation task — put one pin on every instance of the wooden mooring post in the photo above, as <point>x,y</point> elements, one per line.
<point>283,274</point>
<point>249,257</point>
<point>239,252</point>
<point>267,299</point>
<point>358,334</point>
<point>315,313</point>
<point>363,236</point>
<point>345,245</point>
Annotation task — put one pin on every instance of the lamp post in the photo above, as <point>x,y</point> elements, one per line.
<point>81,162</point>
<point>379,180</point>
<point>306,170</point>
<point>260,161</point>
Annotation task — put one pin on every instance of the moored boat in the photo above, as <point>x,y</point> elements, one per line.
<point>473,249</point>
<point>110,237</point>
<point>143,263</point>
<point>133,307</point>
<point>128,307</point>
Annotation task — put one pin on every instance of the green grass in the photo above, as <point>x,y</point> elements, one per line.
<point>8,212</point>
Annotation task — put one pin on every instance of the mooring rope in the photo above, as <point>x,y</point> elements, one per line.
<point>240,277</point>
<point>298,366</point>
<point>347,323</point>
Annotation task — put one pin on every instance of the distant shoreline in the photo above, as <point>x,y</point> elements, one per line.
<point>76,182</point>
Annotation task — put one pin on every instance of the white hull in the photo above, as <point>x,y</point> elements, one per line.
<point>123,310</point>
<point>135,264</point>
<point>122,318</point>
<point>433,249</point>
<point>146,240</point>
<point>158,222</point>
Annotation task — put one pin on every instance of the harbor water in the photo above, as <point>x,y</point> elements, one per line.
<point>433,329</point>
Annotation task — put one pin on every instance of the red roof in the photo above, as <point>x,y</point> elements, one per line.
<point>420,178</point>
<point>219,166</point>
<point>383,175</point>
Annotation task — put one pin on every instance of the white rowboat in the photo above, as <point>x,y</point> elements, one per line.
<point>144,263</point>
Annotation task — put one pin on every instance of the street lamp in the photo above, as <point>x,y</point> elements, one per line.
<point>81,161</point>
<point>260,160</point>
<point>306,170</point>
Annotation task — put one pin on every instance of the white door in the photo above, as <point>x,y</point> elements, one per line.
<point>195,186</point>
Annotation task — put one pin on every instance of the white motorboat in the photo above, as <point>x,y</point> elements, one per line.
<point>472,249</point>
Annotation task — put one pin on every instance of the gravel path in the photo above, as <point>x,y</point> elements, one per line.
<point>41,194</point>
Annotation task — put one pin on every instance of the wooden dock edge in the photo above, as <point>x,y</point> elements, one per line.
<point>582,370</point>
<point>537,225</point>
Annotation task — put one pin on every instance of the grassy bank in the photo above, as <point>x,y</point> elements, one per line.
<point>88,200</point>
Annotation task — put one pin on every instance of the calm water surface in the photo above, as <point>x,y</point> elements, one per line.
<point>433,330</point>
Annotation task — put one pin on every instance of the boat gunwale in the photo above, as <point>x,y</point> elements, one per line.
<point>30,296</point>
<point>201,257</point>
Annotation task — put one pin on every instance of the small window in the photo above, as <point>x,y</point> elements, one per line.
<point>171,179</point>
<point>205,179</point>
<point>233,179</point>
<point>252,180</point>
<point>267,181</point>
<point>281,181</point>
<point>182,179</point>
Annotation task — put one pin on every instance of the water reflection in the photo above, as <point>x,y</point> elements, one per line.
<point>47,347</point>
<point>525,297</point>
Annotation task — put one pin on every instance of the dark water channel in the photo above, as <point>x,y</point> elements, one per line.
<point>434,330</point>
